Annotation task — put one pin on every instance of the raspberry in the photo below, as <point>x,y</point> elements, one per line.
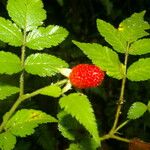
<point>86,76</point>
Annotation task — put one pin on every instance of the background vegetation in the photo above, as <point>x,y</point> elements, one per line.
<point>79,18</point>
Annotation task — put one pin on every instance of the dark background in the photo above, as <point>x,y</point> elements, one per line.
<point>79,18</point>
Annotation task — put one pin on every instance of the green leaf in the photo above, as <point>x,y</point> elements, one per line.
<point>9,63</point>
<point>52,90</point>
<point>7,90</point>
<point>139,70</point>
<point>136,110</point>
<point>7,141</point>
<point>25,120</point>
<point>148,106</point>
<point>134,27</point>
<point>10,33</point>
<point>78,106</point>
<point>140,47</point>
<point>112,36</point>
<point>27,14</point>
<point>44,64</point>
<point>103,57</point>
<point>47,37</point>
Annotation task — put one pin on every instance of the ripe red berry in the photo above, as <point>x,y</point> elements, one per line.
<point>86,76</point>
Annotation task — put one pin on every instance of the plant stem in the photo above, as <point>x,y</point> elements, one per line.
<point>121,98</point>
<point>21,99</point>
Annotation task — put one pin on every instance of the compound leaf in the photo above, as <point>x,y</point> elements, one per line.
<point>111,35</point>
<point>78,106</point>
<point>136,110</point>
<point>134,27</point>
<point>9,63</point>
<point>139,70</point>
<point>52,90</point>
<point>27,14</point>
<point>10,33</point>
<point>44,64</point>
<point>103,57</point>
<point>47,37</point>
<point>7,141</point>
<point>140,47</point>
<point>7,90</point>
<point>25,121</point>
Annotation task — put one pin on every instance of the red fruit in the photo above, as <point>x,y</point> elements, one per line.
<point>86,76</point>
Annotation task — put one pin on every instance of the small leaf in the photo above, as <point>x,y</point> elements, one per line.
<point>7,141</point>
<point>44,64</point>
<point>52,90</point>
<point>103,57</point>
<point>7,90</point>
<point>148,106</point>
<point>140,47</point>
<point>136,110</point>
<point>25,120</point>
<point>139,70</point>
<point>134,27</point>
<point>9,63</point>
<point>112,36</point>
<point>78,106</point>
<point>10,33</point>
<point>27,14</point>
<point>47,37</point>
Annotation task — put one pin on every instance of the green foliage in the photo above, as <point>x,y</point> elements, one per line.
<point>25,120</point>
<point>148,106</point>
<point>43,64</point>
<point>136,110</point>
<point>27,14</point>
<point>78,106</point>
<point>139,70</point>
<point>9,63</point>
<point>112,35</point>
<point>140,47</point>
<point>7,90</point>
<point>134,27</point>
<point>103,57</point>
<point>52,90</point>
<point>42,37</point>
<point>7,141</point>
<point>10,33</point>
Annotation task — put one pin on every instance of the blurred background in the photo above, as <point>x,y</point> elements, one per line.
<point>79,18</point>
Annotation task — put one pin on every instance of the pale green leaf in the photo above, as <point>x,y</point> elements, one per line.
<point>7,141</point>
<point>27,14</point>
<point>25,121</point>
<point>52,90</point>
<point>139,70</point>
<point>112,36</point>
<point>10,33</point>
<point>74,146</point>
<point>9,63</point>
<point>7,90</point>
<point>44,64</point>
<point>136,110</point>
<point>47,37</point>
<point>140,47</point>
<point>134,27</point>
<point>103,57</point>
<point>78,106</point>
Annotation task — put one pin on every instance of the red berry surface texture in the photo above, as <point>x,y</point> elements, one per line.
<point>86,76</point>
